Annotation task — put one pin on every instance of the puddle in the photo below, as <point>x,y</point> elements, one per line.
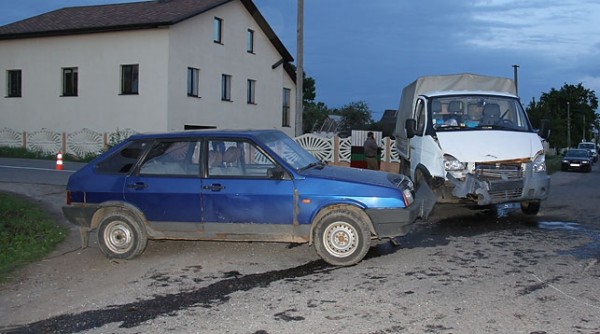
<point>565,226</point>
<point>590,250</point>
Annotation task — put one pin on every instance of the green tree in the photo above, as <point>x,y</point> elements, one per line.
<point>356,115</point>
<point>572,104</point>
<point>314,115</point>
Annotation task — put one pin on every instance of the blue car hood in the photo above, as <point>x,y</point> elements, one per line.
<point>351,175</point>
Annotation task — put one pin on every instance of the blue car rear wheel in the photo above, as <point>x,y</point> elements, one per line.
<point>121,235</point>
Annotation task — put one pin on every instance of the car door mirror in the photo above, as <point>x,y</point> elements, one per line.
<point>275,173</point>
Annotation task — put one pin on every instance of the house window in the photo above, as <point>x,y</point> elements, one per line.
<point>285,117</point>
<point>129,79</point>
<point>13,83</point>
<point>218,30</point>
<point>226,87</point>
<point>192,81</point>
<point>250,41</point>
<point>69,81</point>
<point>251,94</point>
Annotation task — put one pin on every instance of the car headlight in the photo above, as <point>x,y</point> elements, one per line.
<point>585,162</point>
<point>452,164</point>
<point>539,162</point>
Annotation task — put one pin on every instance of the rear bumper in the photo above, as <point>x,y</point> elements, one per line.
<point>80,214</point>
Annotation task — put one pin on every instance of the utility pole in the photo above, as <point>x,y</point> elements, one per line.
<point>299,67</point>
<point>516,78</point>
<point>583,138</point>
<point>568,124</point>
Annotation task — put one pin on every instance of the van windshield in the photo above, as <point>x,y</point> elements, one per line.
<point>473,112</point>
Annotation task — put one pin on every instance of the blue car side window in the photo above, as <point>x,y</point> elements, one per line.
<point>121,161</point>
<point>172,158</point>
<point>237,159</point>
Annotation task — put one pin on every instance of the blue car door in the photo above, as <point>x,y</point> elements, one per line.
<point>239,189</point>
<point>166,188</point>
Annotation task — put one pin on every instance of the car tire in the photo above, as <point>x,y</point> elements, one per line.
<point>121,235</point>
<point>530,208</point>
<point>342,237</point>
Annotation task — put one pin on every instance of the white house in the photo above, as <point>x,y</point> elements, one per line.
<point>147,66</point>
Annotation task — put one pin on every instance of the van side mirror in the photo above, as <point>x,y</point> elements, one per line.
<point>411,127</point>
<point>544,130</point>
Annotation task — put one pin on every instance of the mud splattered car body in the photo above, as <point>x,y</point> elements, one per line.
<point>257,185</point>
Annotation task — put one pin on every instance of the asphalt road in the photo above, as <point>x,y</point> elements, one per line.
<point>463,271</point>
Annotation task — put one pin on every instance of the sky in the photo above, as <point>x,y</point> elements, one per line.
<point>368,50</point>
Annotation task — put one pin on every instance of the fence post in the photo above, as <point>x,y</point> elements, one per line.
<point>336,150</point>
<point>64,143</point>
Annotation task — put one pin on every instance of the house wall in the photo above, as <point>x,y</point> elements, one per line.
<point>192,45</point>
<point>163,55</point>
<point>98,105</point>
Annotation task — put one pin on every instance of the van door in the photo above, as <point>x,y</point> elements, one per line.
<point>416,143</point>
<point>424,149</point>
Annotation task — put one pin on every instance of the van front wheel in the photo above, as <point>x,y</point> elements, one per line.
<point>530,207</point>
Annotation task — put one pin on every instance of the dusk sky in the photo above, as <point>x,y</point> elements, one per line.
<point>368,51</point>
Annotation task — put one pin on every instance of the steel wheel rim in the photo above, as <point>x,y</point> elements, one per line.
<point>118,237</point>
<point>340,239</point>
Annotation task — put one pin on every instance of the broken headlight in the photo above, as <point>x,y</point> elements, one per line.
<point>452,164</point>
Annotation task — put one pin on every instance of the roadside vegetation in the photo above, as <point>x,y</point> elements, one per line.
<point>27,233</point>
<point>19,152</point>
<point>553,163</point>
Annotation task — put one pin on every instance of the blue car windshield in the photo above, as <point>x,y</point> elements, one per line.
<point>290,151</point>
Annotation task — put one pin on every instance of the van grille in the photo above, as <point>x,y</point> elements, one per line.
<point>499,171</point>
<point>505,180</point>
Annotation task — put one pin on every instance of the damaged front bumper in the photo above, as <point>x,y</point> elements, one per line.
<point>502,187</point>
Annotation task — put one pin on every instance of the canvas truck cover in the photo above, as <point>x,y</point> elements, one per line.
<point>443,83</point>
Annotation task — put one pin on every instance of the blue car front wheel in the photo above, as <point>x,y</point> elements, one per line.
<point>342,237</point>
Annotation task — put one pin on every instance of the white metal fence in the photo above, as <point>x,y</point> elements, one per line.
<point>331,149</point>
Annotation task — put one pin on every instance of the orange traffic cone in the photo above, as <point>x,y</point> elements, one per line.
<point>59,162</point>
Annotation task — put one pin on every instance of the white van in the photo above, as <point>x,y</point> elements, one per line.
<point>468,138</point>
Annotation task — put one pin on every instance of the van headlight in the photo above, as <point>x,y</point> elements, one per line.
<point>452,164</point>
<point>539,162</point>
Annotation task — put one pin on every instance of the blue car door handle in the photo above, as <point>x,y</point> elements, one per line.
<point>137,185</point>
<point>214,187</point>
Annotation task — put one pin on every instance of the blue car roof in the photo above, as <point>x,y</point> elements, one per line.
<point>203,133</point>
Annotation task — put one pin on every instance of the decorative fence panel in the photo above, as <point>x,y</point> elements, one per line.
<point>333,150</point>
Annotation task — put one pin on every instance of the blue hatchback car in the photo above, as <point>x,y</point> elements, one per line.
<point>256,185</point>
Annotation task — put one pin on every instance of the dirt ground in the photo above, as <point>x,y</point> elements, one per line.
<point>477,276</point>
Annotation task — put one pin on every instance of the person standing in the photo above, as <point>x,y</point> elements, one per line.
<point>370,150</point>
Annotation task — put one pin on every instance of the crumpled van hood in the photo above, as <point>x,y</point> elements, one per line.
<point>489,145</point>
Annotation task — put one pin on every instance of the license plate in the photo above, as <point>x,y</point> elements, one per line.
<point>575,165</point>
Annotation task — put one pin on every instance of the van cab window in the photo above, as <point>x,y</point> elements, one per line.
<point>421,117</point>
<point>478,112</point>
